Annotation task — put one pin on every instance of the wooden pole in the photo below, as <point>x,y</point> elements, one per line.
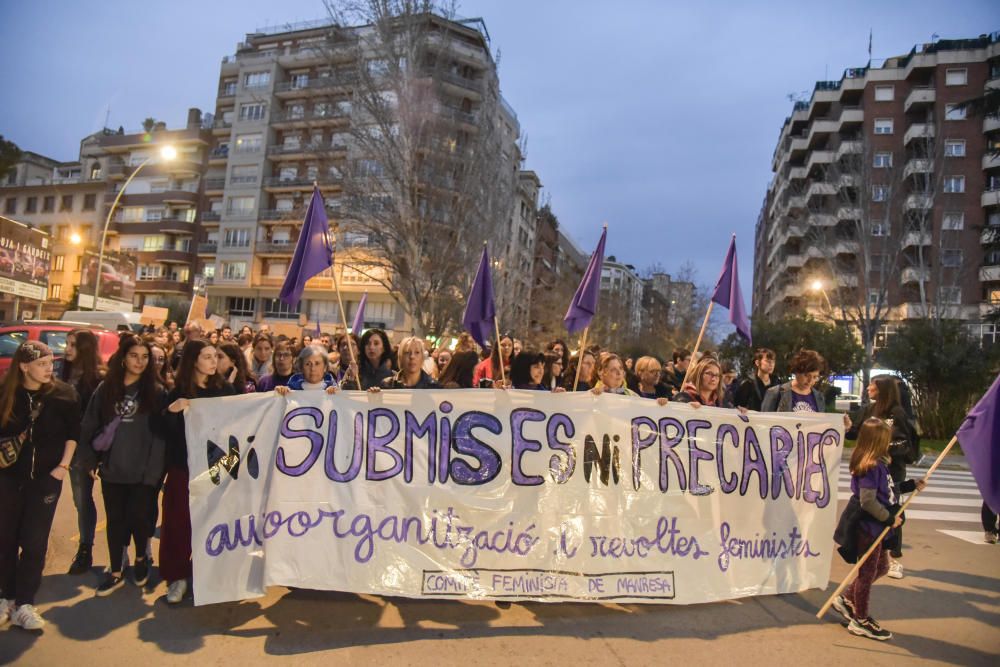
<point>343,318</point>
<point>697,344</point>
<point>878,540</point>
<point>503,374</point>
<point>579,359</point>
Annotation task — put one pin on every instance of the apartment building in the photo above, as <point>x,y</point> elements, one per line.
<point>622,297</point>
<point>287,102</point>
<point>884,190</point>
<point>517,268</point>
<point>158,216</point>
<point>66,200</point>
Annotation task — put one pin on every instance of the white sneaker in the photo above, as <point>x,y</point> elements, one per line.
<point>6,609</point>
<point>895,569</point>
<point>27,617</point>
<point>177,590</point>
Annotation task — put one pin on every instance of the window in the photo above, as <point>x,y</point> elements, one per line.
<point>954,184</point>
<point>883,126</point>
<point>956,77</point>
<point>234,270</point>
<point>278,309</point>
<point>993,296</point>
<point>954,112</point>
<point>880,229</point>
<point>49,204</point>
<point>873,297</point>
<point>208,271</point>
<point>256,79</point>
<point>66,203</point>
<point>248,143</point>
<point>241,205</point>
<point>880,192</point>
<point>300,80</point>
<point>10,206</point>
<point>55,291</point>
<point>884,93</point>
<point>31,205</point>
<point>95,171</point>
<point>150,272</point>
<point>277,269</point>
<point>952,295</point>
<point>244,174</point>
<point>228,88</point>
<point>951,258</point>
<point>993,220</point>
<point>954,148</point>
<point>241,306</point>
<point>58,262</point>
<point>378,67</point>
<point>237,238</point>
<point>151,243</point>
<point>90,202</point>
<point>253,111</point>
<point>883,160</point>
<point>296,111</point>
<point>370,168</point>
<point>953,221</point>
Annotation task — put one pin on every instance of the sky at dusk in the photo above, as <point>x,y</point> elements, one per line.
<point>659,118</point>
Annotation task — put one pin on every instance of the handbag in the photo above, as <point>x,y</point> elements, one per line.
<point>10,447</point>
<point>847,527</point>
<point>102,441</point>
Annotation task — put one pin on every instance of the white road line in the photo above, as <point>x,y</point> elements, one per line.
<point>930,515</point>
<point>936,483</point>
<point>973,536</point>
<point>929,491</point>
<point>952,502</point>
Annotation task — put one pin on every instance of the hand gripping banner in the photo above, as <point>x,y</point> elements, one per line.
<point>517,495</point>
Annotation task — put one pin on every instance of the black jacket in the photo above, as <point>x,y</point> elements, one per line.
<point>684,397</point>
<point>58,421</point>
<point>174,424</point>
<point>750,393</point>
<point>395,382</point>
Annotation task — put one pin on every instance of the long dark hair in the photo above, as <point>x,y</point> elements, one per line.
<point>551,358</point>
<point>495,359</point>
<point>386,350</point>
<point>520,367</point>
<point>459,370</point>
<point>888,396</point>
<point>114,381</point>
<point>87,366</point>
<point>232,350</point>
<point>185,381</point>
<point>565,350</point>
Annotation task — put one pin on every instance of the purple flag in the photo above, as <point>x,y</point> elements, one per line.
<point>480,311</point>
<point>728,295</point>
<point>979,436</point>
<point>313,252</point>
<point>359,316</point>
<point>584,304</point>
<point>317,333</point>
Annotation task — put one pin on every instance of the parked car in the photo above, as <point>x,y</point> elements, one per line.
<point>848,402</point>
<point>52,333</point>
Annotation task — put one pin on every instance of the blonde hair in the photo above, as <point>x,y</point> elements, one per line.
<point>872,445</point>
<point>647,364</point>
<point>699,370</point>
<point>405,344</point>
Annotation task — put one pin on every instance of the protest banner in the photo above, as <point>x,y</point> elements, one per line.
<point>154,315</point>
<point>25,258</point>
<point>514,495</point>
<point>118,277</point>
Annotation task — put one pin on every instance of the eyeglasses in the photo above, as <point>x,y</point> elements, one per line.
<point>282,355</point>
<point>710,374</point>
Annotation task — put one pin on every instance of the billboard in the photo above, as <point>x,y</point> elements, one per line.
<point>25,258</point>
<point>118,270</point>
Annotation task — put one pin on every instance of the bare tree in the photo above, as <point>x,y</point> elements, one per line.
<point>429,176</point>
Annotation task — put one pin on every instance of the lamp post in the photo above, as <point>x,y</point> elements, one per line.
<point>167,153</point>
<point>817,286</point>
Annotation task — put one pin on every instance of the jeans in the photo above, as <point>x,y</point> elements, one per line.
<point>127,509</point>
<point>83,498</point>
<point>28,509</point>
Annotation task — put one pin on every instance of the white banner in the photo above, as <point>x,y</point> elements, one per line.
<point>514,495</point>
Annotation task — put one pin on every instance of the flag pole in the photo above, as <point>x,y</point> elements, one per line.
<point>878,540</point>
<point>503,374</point>
<point>697,344</point>
<point>579,359</point>
<point>340,303</point>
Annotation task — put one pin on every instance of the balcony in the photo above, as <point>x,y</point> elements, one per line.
<point>220,154</point>
<point>988,274</point>
<point>919,97</point>
<point>918,166</point>
<point>848,213</point>
<point>228,90</point>
<point>167,226</point>
<point>991,124</point>
<point>166,255</point>
<point>849,148</point>
<point>324,83</point>
<point>215,184</point>
<point>913,274</point>
<point>919,131</point>
<point>299,152</point>
<point>853,115</point>
<point>315,117</point>
<point>918,202</point>
<point>163,286</point>
<point>209,248</point>
<point>990,198</point>
<point>991,161</point>
<point>272,249</point>
<point>220,127</point>
<point>916,239</point>
<point>821,189</point>
<point>819,157</point>
<point>279,183</point>
<point>211,216</point>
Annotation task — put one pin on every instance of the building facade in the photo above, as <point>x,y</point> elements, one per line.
<point>884,194</point>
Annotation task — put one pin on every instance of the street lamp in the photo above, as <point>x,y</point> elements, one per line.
<point>75,239</point>
<point>167,153</point>
<point>817,286</point>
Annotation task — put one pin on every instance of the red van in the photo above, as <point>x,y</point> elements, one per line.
<point>52,333</point>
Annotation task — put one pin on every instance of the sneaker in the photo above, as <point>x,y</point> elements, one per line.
<point>140,572</point>
<point>82,562</point>
<point>176,591</point>
<point>6,609</point>
<point>895,569</point>
<point>111,583</point>
<point>867,627</point>
<point>844,607</point>
<point>991,538</point>
<point>26,616</point>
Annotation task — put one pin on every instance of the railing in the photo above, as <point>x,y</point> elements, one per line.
<point>215,183</point>
<point>221,124</point>
<point>211,216</point>
<point>339,79</point>
<point>208,247</point>
<point>308,148</point>
<point>273,247</point>
<point>290,116</point>
<point>221,152</point>
<point>278,181</point>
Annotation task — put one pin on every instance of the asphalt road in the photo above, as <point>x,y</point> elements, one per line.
<point>945,611</point>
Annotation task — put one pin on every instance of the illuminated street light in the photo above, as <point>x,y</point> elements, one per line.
<point>75,239</point>
<point>167,153</point>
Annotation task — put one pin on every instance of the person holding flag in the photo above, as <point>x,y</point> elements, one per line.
<point>480,320</point>
<point>583,307</point>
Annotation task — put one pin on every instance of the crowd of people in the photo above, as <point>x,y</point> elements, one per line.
<point>121,424</point>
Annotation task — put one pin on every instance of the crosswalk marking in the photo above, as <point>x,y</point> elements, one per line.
<point>926,515</point>
<point>971,536</point>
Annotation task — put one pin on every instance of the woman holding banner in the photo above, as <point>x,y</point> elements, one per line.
<point>233,367</point>
<point>411,374</point>
<point>800,394</point>
<point>489,369</point>
<point>705,386</point>
<point>611,374</point>
<point>587,362</point>
<point>197,377</point>
<point>376,361</point>
<point>527,371</point>
<point>346,371</point>
<point>283,365</point>
<point>312,373</point>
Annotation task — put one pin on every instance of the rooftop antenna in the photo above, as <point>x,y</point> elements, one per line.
<point>107,116</point>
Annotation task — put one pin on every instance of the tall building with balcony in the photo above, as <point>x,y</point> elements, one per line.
<point>283,121</point>
<point>621,297</point>
<point>158,216</point>
<point>66,200</point>
<point>883,172</point>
